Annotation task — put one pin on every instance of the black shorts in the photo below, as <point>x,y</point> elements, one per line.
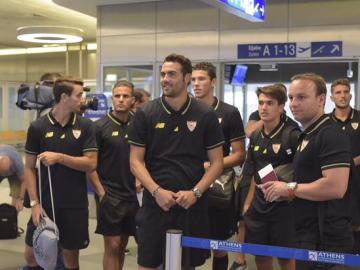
<point>73,225</point>
<point>115,216</point>
<point>263,231</point>
<point>153,223</point>
<point>222,223</point>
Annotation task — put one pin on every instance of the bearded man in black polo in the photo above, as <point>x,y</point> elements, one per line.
<point>171,136</point>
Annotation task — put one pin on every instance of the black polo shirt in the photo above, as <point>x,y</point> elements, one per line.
<point>74,139</point>
<point>321,146</point>
<point>113,157</point>
<point>351,127</point>
<point>176,141</point>
<point>231,123</point>
<point>276,149</point>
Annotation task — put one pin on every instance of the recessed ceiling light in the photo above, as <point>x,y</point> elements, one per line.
<point>50,34</point>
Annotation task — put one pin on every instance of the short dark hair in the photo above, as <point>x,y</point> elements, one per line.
<point>315,78</point>
<point>125,83</point>
<point>206,66</point>
<point>143,92</point>
<point>185,63</point>
<point>138,96</point>
<point>342,81</point>
<point>65,85</point>
<point>276,91</point>
<point>49,78</point>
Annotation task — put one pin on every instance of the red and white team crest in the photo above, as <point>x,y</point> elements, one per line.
<point>76,133</point>
<point>191,125</point>
<point>276,147</point>
<point>354,125</point>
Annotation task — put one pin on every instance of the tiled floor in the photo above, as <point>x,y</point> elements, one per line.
<point>11,251</point>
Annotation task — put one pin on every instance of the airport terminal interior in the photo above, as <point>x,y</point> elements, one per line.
<point>128,39</point>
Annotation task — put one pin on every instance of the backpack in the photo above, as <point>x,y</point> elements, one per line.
<point>8,222</point>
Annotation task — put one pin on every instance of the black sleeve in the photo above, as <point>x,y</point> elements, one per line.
<point>236,127</point>
<point>254,116</point>
<point>90,138</point>
<point>138,129</point>
<point>213,133</point>
<point>32,145</point>
<point>98,137</point>
<point>334,148</point>
<point>249,165</point>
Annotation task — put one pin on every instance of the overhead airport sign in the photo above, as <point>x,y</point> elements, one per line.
<point>291,50</point>
<point>251,10</point>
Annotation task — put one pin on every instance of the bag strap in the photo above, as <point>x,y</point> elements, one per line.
<point>36,92</point>
<point>51,193</point>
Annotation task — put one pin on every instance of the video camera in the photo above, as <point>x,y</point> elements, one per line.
<point>40,96</point>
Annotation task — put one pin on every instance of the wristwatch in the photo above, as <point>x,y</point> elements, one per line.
<point>197,192</point>
<point>291,189</point>
<point>33,203</point>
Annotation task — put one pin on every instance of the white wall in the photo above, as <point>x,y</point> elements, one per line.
<point>146,32</point>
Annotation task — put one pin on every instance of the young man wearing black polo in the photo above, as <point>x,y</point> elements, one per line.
<point>270,223</point>
<point>321,175</point>
<point>66,142</point>
<point>348,119</point>
<point>222,221</point>
<point>117,209</point>
<point>170,137</point>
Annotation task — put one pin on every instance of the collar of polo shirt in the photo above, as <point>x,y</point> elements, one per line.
<point>170,110</point>
<point>53,121</point>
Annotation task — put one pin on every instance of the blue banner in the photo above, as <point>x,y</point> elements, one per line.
<point>271,50</point>
<point>290,50</point>
<point>326,49</point>
<point>272,251</point>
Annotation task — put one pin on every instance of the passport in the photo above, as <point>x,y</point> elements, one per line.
<point>267,174</point>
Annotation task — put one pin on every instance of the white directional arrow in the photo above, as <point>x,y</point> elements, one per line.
<point>336,47</point>
<point>262,10</point>
<point>319,50</point>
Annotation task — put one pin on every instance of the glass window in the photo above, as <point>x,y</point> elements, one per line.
<point>15,112</point>
<point>140,76</point>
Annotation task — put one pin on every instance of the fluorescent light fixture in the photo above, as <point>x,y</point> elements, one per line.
<point>111,77</point>
<point>268,67</point>
<point>50,34</point>
<point>349,72</point>
<point>32,50</point>
<point>91,46</point>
